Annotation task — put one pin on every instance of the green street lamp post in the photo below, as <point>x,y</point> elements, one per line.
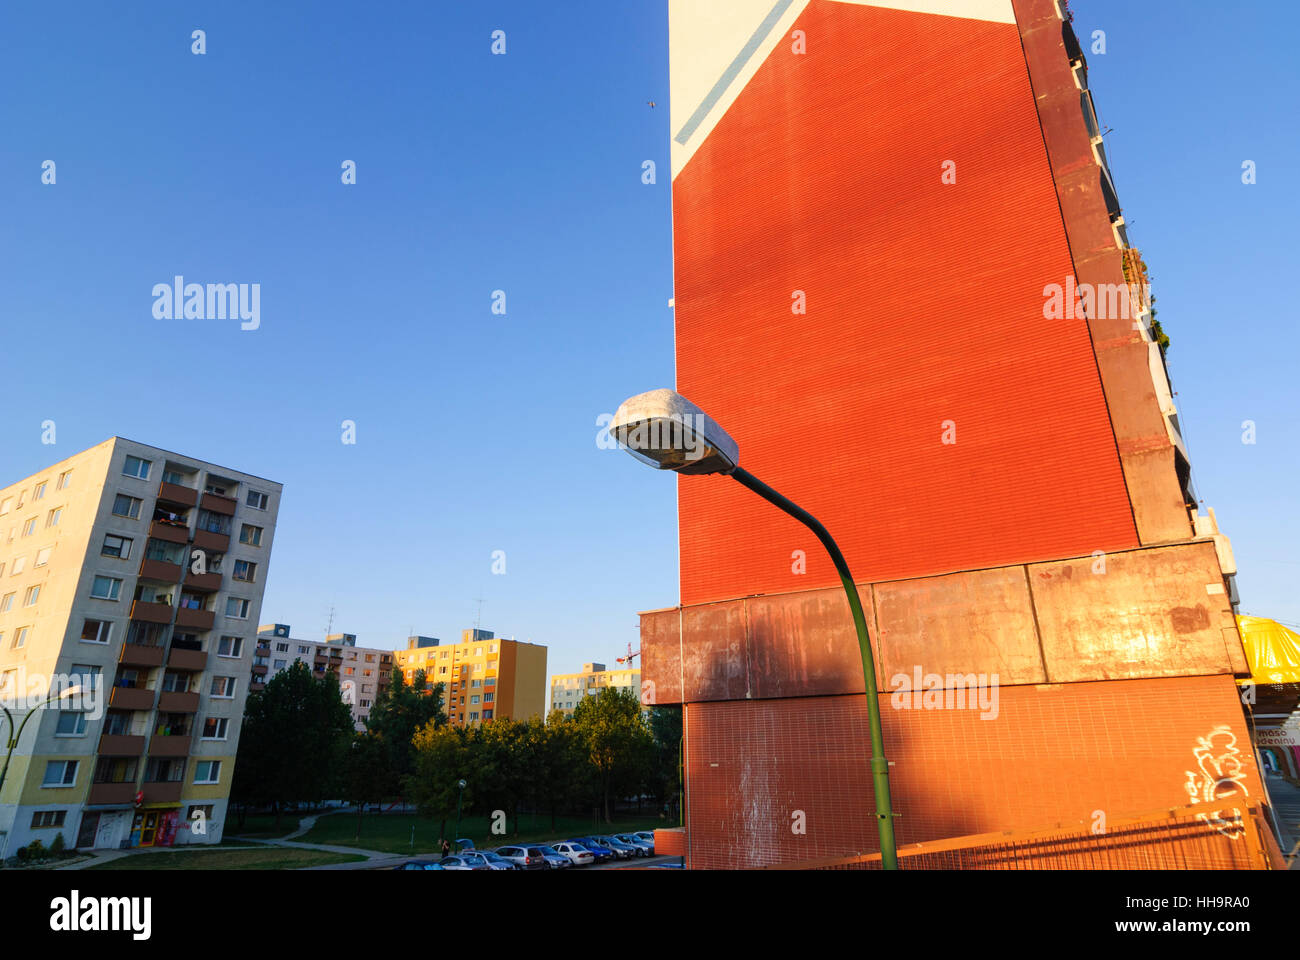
<point>666,431</point>
<point>460,785</point>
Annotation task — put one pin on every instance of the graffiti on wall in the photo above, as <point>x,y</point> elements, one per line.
<point>1220,775</point>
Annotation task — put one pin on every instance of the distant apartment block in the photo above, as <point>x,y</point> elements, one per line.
<point>363,672</point>
<point>139,571</point>
<point>568,689</point>
<point>485,677</point>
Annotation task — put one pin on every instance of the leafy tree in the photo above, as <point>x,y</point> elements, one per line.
<point>664,779</point>
<point>367,776</point>
<point>399,713</point>
<point>561,761</point>
<point>442,755</point>
<point>617,740</point>
<point>292,742</point>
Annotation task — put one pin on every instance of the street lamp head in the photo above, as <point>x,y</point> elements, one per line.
<point>461,784</point>
<point>666,431</point>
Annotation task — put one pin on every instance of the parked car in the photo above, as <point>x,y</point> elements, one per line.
<point>457,862</point>
<point>464,844</point>
<point>646,835</point>
<point>622,851</point>
<point>644,848</point>
<point>419,865</point>
<point>525,858</point>
<point>554,859</point>
<point>578,855</point>
<point>601,851</point>
<point>491,859</point>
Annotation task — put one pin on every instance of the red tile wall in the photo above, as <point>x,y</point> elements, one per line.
<point>1054,754</point>
<point>924,305</point>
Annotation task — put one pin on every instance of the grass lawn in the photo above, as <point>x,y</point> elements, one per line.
<point>261,825</point>
<point>391,833</point>
<point>263,858</point>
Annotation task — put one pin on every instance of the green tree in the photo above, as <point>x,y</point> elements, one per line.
<point>664,779</point>
<point>293,740</point>
<point>399,713</point>
<point>562,774</point>
<point>618,743</point>
<point>442,755</point>
<point>367,774</point>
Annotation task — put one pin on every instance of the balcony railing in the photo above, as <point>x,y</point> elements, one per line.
<point>140,655</point>
<point>114,793</point>
<point>174,701</point>
<point>186,659</point>
<point>170,532</point>
<point>169,746</point>
<point>151,612</point>
<point>175,493</point>
<point>214,542</point>
<point>196,619</point>
<point>131,698</point>
<point>120,745</point>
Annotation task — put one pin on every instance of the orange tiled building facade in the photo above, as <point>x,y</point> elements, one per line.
<point>871,204</point>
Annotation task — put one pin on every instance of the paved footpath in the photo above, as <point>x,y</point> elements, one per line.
<point>1286,806</point>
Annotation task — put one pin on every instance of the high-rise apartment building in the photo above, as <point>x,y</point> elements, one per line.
<point>363,672</point>
<point>903,284</point>
<point>484,677</point>
<point>140,572</point>
<point>568,689</point>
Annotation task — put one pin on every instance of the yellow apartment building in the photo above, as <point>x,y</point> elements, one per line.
<point>484,677</point>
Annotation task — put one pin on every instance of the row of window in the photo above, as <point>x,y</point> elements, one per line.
<point>63,773</point>
<point>110,588</point>
<point>38,493</point>
<point>20,563</point>
<point>30,525</point>
<point>139,469</point>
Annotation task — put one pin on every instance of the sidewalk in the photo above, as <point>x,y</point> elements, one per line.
<point>1286,809</point>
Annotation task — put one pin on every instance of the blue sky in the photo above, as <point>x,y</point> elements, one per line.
<point>475,173</point>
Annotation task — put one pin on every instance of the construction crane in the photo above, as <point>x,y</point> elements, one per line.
<point>630,656</point>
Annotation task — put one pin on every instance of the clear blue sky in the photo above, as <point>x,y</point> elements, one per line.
<point>520,172</point>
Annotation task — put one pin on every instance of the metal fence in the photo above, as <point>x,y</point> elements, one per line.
<point>1199,837</point>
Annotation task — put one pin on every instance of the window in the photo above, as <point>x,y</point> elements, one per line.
<point>39,491</point>
<point>174,477</point>
<point>302,649</point>
<point>135,467</point>
<point>487,714</point>
<point>115,546</point>
<point>245,571</point>
<point>70,724</point>
<point>236,609</point>
<point>164,770</point>
<point>214,728</point>
<point>230,646</point>
<point>214,522</point>
<point>349,671</point>
<point>223,687</point>
<point>53,517</point>
<point>6,602</point>
<point>250,535</point>
<point>207,771</point>
<point>20,564</point>
<point>489,697</point>
<point>95,631</point>
<point>63,480</point>
<point>5,505</point>
<point>216,488</point>
<point>20,638</point>
<point>280,664</point>
<point>29,527</point>
<point>86,674</point>
<point>106,588</point>
<point>256,500</point>
<point>33,594</point>
<point>473,715</point>
<point>281,648</point>
<point>60,773</point>
<point>365,703</point>
<point>48,818</point>
<point>474,699</point>
<point>124,506</point>
<point>42,557</point>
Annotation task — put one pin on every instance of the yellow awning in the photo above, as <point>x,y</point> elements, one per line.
<point>1272,650</point>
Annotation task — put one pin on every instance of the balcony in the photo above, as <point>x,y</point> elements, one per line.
<point>168,792</point>
<point>183,659</point>
<point>169,746</point>
<point>175,493</point>
<point>131,698</point>
<point>203,582</point>
<point>151,612</point>
<point>259,669</point>
<point>173,701</point>
<point>256,686</point>
<point>171,532</point>
<point>320,659</point>
<point>139,655</point>
<point>114,793</point>
<point>263,650</point>
<point>196,619</point>
<point>214,542</point>
<point>215,503</point>
<point>160,570</point>
<point>120,745</point>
